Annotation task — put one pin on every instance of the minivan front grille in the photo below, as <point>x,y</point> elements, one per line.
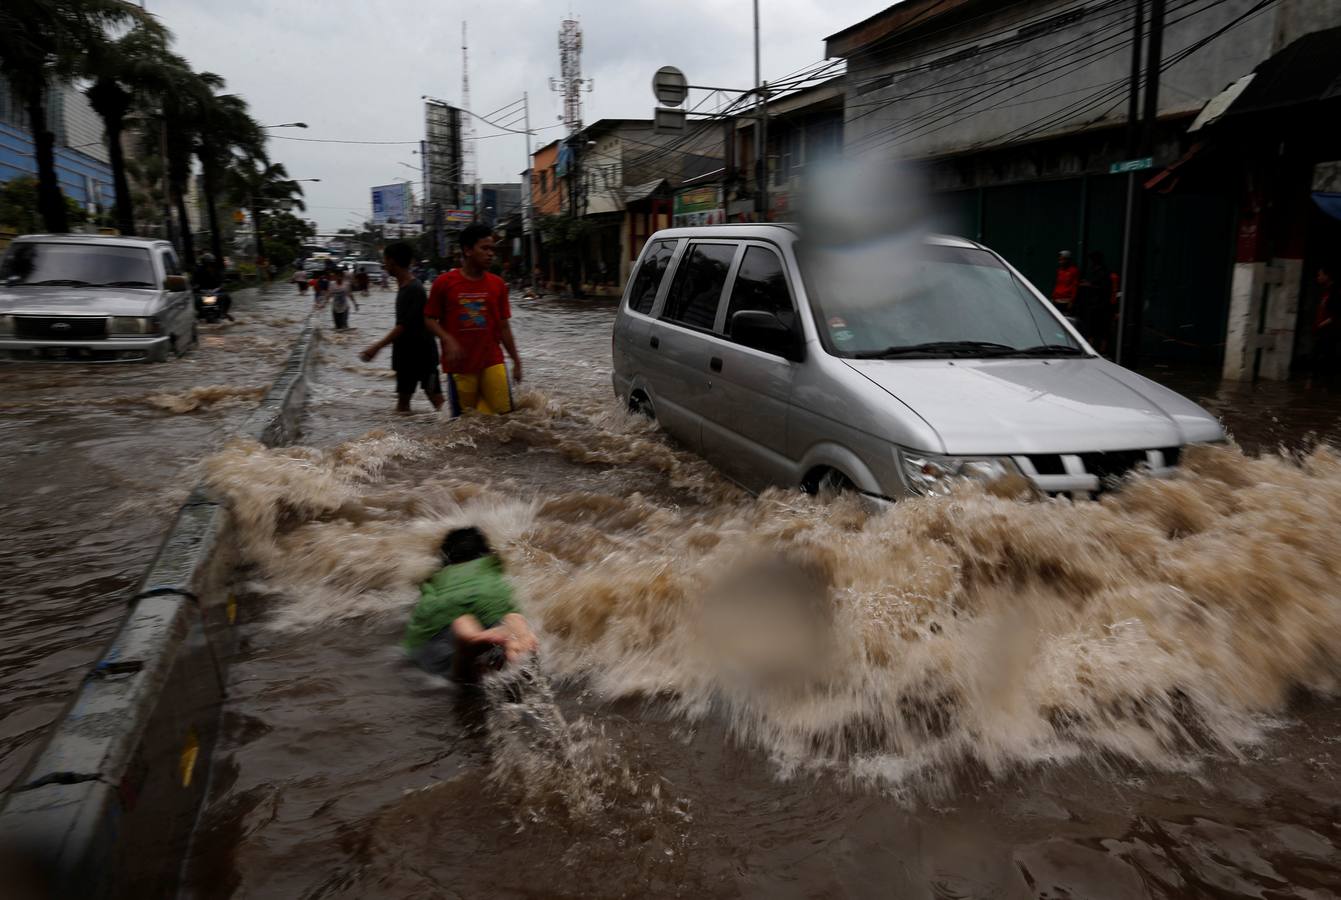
<point>60,328</point>
<point>1093,472</point>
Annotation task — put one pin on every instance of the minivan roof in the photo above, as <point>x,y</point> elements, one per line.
<point>106,240</point>
<point>775,230</point>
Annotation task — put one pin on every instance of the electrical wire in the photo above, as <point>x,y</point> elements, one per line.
<point>937,118</point>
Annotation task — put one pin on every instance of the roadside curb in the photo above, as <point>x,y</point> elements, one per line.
<point>107,807</point>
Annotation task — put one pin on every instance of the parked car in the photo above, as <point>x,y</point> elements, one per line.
<point>940,361</point>
<point>93,297</point>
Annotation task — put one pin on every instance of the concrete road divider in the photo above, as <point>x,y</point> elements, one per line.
<point>107,807</point>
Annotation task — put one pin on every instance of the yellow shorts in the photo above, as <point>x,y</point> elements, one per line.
<point>487,392</point>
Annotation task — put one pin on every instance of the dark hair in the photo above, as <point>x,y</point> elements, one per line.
<point>464,544</point>
<point>473,234</point>
<point>400,253</point>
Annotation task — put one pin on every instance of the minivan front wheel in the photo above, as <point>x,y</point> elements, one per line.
<point>828,483</point>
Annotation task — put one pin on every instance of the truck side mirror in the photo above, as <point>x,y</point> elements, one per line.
<point>175,283</point>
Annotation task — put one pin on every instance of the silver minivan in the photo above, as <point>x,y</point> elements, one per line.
<point>95,298</point>
<point>890,369</point>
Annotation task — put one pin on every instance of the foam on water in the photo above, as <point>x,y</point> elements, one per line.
<point>975,631</point>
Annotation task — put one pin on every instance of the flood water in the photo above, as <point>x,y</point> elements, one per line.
<point>96,461</point>
<point>773,697</point>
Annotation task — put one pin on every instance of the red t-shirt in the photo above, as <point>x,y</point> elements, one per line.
<point>472,311</point>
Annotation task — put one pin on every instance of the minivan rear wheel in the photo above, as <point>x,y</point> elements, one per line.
<point>640,405</point>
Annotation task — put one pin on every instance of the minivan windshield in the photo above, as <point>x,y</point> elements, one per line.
<point>928,300</point>
<point>76,265</point>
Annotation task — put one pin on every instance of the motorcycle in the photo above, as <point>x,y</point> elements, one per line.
<point>211,305</point>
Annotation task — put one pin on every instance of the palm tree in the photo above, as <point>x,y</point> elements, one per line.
<point>41,42</point>
<point>260,184</point>
<point>228,135</point>
<point>122,71</point>
<point>182,98</point>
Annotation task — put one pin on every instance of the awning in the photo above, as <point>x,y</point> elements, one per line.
<point>1328,203</point>
<point>638,192</point>
<point>1305,73</point>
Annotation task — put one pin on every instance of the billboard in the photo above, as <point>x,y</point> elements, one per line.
<point>390,203</point>
<point>442,155</point>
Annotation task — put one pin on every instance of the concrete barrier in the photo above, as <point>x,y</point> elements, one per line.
<point>107,807</point>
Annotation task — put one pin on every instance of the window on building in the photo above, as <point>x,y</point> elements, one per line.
<point>697,290</point>
<point>648,280</point>
<point>761,284</point>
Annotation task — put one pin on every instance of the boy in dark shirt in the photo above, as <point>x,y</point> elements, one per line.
<point>414,354</point>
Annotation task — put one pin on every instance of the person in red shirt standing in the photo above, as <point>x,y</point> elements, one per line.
<point>468,310</point>
<point>1068,280</point>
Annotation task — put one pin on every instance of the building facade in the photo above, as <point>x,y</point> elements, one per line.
<point>1016,113</point>
<point>81,150</point>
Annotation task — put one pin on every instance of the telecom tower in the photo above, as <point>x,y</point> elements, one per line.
<point>570,82</point>
<point>467,126</point>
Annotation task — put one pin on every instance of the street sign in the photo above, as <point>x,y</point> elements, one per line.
<point>1131,165</point>
<point>668,121</point>
<point>669,86</point>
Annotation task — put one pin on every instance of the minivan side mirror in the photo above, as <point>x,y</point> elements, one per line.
<point>766,332</point>
<point>174,283</point>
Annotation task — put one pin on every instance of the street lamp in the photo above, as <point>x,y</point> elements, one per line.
<point>287,125</point>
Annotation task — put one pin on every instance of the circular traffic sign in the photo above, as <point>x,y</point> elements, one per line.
<point>669,86</point>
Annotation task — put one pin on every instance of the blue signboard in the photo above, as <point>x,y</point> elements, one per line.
<point>390,203</point>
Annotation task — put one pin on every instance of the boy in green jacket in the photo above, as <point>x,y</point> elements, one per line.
<point>466,619</point>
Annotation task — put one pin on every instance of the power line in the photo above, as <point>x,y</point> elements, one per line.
<point>938,118</point>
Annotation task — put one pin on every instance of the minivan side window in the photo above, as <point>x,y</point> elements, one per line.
<point>655,262</point>
<point>761,284</point>
<point>697,288</point>
<point>170,266</point>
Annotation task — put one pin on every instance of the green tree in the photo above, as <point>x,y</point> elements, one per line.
<point>285,234</point>
<point>122,72</point>
<point>18,206</point>
<point>227,136</point>
<point>264,186</point>
<point>42,42</point>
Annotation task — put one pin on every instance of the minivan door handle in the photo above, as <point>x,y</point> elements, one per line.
<point>655,342</point>
<point>715,364</point>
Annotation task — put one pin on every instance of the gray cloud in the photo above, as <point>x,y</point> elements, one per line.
<point>357,70</point>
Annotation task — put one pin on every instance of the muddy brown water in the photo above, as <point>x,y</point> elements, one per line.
<point>772,697</point>
<point>96,460</point>
<point>995,699</point>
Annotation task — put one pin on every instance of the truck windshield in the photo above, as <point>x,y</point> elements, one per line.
<point>928,300</point>
<point>76,265</point>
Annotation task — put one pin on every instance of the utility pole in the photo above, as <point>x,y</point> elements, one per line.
<point>1140,143</point>
<point>761,111</point>
<point>528,208</point>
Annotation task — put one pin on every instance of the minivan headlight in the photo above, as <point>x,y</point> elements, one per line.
<point>134,325</point>
<point>927,473</point>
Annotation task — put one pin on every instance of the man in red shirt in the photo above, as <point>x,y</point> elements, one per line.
<point>1068,279</point>
<point>468,310</point>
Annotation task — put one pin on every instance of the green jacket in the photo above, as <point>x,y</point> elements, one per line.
<point>477,588</point>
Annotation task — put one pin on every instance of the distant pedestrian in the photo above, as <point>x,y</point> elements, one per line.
<point>414,354</point>
<point>1326,323</point>
<point>361,281</point>
<point>1094,301</point>
<point>1068,280</point>
<point>341,296</point>
<point>468,310</point>
<point>323,285</point>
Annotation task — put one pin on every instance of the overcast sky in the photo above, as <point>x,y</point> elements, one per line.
<point>356,71</point>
